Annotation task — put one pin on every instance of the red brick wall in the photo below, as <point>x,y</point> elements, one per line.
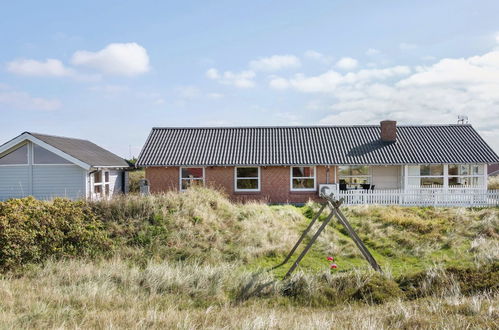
<point>274,183</point>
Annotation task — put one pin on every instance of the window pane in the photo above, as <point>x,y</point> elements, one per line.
<point>16,157</point>
<point>464,169</point>
<point>432,181</point>
<point>98,189</point>
<point>478,181</point>
<point>355,180</point>
<point>424,170</point>
<point>360,170</point>
<point>186,183</point>
<point>303,183</point>
<point>247,183</point>
<point>192,172</point>
<point>106,176</point>
<point>300,172</point>
<point>247,172</point>
<point>107,189</point>
<point>98,177</point>
<point>344,170</point>
<point>453,169</point>
<point>414,170</point>
<point>43,156</point>
<point>477,169</point>
<point>436,170</point>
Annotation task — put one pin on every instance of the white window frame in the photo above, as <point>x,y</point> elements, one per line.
<point>180,176</point>
<point>102,184</point>
<point>302,177</point>
<point>248,178</point>
<point>467,176</point>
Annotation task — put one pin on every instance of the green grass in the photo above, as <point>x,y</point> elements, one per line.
<point>402,240</point>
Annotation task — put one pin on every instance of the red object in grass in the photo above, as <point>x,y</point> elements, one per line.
<point>334,266</point>
<point>330,258</point>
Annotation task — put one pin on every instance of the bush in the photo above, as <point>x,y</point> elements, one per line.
<point>133,180</point>
<point>32,231</point>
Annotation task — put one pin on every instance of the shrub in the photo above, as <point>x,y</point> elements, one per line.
<point>32,231</point>
<point>133,180</point>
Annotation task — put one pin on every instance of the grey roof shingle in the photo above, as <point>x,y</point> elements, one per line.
<point>314,145</point>
<point>83,150</point>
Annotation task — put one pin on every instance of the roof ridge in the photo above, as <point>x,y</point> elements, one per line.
<point>58,136</point>
<point>307,126</point>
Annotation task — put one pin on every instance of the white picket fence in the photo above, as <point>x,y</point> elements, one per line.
<point>477,197</point>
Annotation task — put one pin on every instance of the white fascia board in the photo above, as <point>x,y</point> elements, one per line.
<point>26,136</point>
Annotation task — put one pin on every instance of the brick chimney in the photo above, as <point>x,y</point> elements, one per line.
<point>388,130</point>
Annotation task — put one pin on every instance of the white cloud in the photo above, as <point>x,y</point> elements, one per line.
<point>330,81</point>
<point>317,56</point>
<point>347,63</point>
<point>212,73</point>
<point>123,59</point>
<point>275,63</point>
<point>24,101</point>
<point>407,46</point>
<point>436,93</point>
<point>48,68</point>
<point>497,37</point>
<point>372,51</point>
<point>243,79</point>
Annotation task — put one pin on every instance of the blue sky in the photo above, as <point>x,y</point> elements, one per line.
<point>109,71</point>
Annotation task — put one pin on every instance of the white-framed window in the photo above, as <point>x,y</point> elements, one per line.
<point>101,183</point>
<point>465,175</point>
<point>191,176</point>
<point>426,175</point>
<point>440,175</point>
<point>17,156</point>
<point>302,178</point>
<point>247,178</point>
<point>354,176</point>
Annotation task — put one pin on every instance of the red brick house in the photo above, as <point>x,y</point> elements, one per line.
<point>289,164</point>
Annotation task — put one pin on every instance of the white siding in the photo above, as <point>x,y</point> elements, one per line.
<point>115,182</point>
<point>386,177</point>
<point>14,182</point>
<point>51,181</point>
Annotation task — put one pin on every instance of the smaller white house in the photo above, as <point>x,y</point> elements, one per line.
<point>46,166</point>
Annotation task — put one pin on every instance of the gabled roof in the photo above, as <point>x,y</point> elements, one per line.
<point>314,145</point>
<point>81,152</point>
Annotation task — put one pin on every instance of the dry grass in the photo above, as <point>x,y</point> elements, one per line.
<point>113,294</point>
<point>493,182</point>
<point>200,224</point>
<point>186,260</point>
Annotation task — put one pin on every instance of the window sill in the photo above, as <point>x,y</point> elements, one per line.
<point>303,192</point>
<point>250,192</point>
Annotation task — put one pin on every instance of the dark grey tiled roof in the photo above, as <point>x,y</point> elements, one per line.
<point>83,150</point>
<point>317,145</point>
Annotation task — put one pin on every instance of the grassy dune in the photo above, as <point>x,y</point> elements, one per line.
<point>195,260</point>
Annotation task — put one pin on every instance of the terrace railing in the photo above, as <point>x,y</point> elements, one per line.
<point>468,197</point>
